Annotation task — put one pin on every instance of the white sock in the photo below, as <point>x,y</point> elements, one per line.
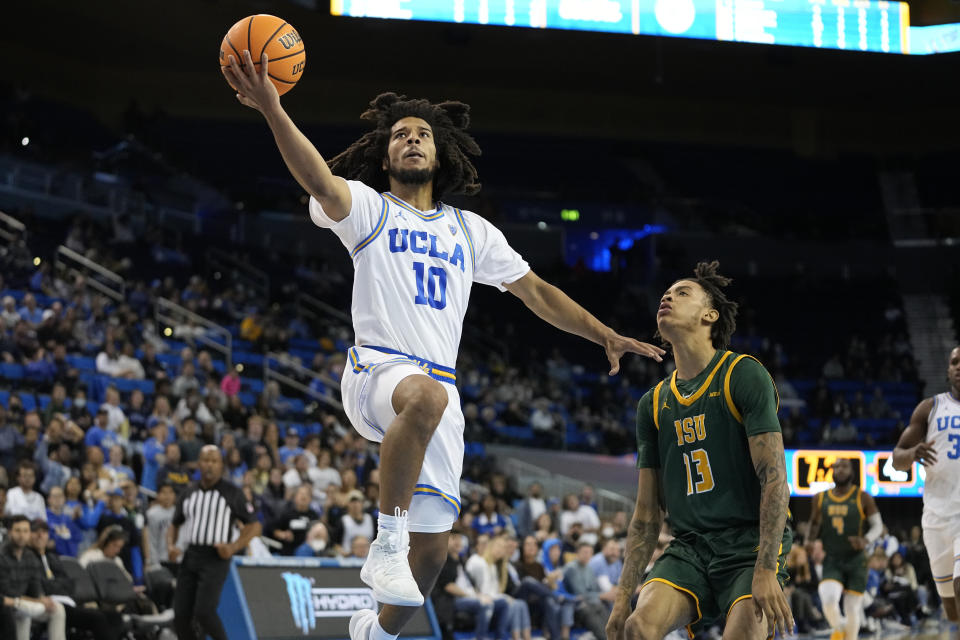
<point>391,523</point>
<point>377,633</point>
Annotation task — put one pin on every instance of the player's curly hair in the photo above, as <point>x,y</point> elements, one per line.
<point>363,160</point>
<point>708,276</point>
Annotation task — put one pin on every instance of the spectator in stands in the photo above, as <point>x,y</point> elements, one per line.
<point>190,445</point>
<point>833,368</point>
<point>551,608</point>
<point>186,381</point>
<point>161,414</point>
<point>878,405</point>
<point>30,312</point>
<point>103,624</point>
<point>583,514</point>
<point>99,435</point>
<point>317,543</point>
<point>152,367</point>
<point>489,521</point>
<point>901,589</point>
<point>360,548</point>
<point>355,522</point>
<point>454,592</point>
<point>153,454</point>
<point>158,519</point>
<point>22,500</point>
<point>109,548</point>
<point>9,315</point>
<point>800,590</point>
<point>116,513</point>
<point>192,405</point>
<point>129,364</point>
<point>487,570</point>
<point>21,587</point>
<point>235,415</point>
<point>291,527</point>
<point>119,472</point>
<point>172,472</point>
<point>137,413</point>
<point>57,404</point>
<point>54,463</point>
<point>843,433</point>
<point>64,530</point>
<point>543,528</point>
<point>251,328</point>
<point>205,370</point>
<point>593,603</point>
<point>78,408</point>
<point>108,362</point>
<point>231,383</point>
<point>607,565</point>
<point>531,508</point>
<point>10,440</point>
<point>291,446</point>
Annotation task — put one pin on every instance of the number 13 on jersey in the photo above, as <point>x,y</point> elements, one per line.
<point>431,285</point>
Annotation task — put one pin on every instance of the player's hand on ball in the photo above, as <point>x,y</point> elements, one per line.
<point>769,601</point>
<point>254,88</point>
<point>925,454</point>
<point>616,346</point>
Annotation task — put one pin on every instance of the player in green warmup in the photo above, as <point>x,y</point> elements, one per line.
<point>838,517</point>
<point>709,441</point>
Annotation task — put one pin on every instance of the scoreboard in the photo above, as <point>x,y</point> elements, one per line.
<point>856,25</point>
<point>809,472</point>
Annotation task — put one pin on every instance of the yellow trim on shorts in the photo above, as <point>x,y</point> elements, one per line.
<point>703,388</point>
<point>856,593</point>
<point>743,597</point>
<point>696,600</point>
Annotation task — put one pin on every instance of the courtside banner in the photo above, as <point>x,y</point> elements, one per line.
<point>287,598</point>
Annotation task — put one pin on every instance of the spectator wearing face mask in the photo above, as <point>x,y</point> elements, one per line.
<point>317,543</point>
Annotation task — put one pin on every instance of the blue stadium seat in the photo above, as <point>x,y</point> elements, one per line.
<point>247,398</point>
<point>5,398</point>
<point>43,399</point>
<point>248,357</point>
<point>171,361</point>
<point>126,386</point>
<point>28,401</point>
<point>255,385</point>
<point>11,371</point>
<point>82,363</point>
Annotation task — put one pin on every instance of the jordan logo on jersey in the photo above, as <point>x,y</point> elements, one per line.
<point>424,243</point>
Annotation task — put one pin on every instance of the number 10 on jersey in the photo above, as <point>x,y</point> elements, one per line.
<point>431,285</point>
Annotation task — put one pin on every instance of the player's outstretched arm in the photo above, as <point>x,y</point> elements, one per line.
<point>642,537</point>
<point>911,447</point>
<point>554,306</point>
<point>766,451</point>
<point>255,90</point>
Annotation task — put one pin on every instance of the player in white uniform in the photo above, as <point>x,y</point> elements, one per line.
<point>415,260</point>
<point>933,439</point>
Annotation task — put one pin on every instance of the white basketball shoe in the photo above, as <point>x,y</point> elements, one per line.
<point>387,570</point>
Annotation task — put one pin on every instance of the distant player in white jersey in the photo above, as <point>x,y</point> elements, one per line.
<point>415,260</point>
<point>933,439</point>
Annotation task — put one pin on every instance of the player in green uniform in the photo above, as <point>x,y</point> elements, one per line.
<point>842,512</point>
<point>709,440</point>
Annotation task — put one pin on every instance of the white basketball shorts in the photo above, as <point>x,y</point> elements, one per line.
<point>941,535</point>
<point>369,380</point>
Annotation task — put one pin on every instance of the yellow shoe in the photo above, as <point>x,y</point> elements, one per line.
<point>838,635</point>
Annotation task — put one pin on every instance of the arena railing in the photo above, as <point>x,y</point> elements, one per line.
<point>273,362</point>
<point>95,276</point>
<point>10,227</point>
<point>170,316</point>
<point>253,278</point>
<point>556,485</point>
<point>318,309</point>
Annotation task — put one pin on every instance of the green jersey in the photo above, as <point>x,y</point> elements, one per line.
<point>840,517</point>
<point>695,431</point>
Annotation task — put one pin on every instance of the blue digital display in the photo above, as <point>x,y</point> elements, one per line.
<point>938,38</point>
<point>809,472</point>
<point>856,25</point>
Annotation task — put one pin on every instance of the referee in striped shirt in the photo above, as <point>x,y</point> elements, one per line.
<point>208,510</point>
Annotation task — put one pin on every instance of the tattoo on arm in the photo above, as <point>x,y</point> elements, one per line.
<point>643,534</point>
<point>766,450</point>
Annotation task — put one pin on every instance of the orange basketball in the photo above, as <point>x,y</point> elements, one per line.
<point>264,33</point>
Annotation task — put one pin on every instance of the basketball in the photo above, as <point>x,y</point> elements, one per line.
<point>274,36</point>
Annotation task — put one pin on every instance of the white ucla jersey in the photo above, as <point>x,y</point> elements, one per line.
<point>413,270</point>
<point>941,491</point>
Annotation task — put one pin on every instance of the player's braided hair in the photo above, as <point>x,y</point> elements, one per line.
<point>707,275</point>
<point>363,160</point>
